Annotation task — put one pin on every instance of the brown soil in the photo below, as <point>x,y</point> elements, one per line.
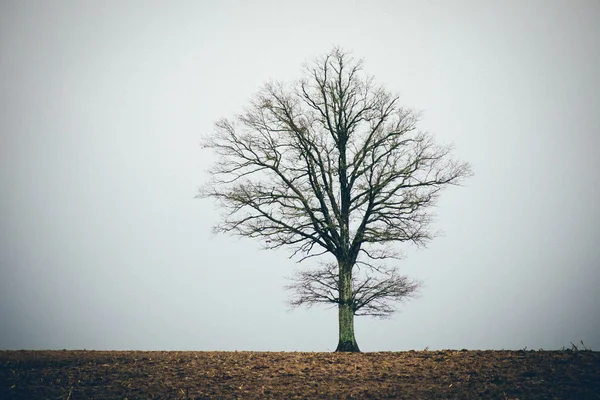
<point>444,374</point>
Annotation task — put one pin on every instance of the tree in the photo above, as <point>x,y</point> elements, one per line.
<point>332,165</point>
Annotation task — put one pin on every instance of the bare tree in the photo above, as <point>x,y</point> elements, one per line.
<point>332,164</point>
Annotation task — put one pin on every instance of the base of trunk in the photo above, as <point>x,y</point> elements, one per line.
<point>347,347</point>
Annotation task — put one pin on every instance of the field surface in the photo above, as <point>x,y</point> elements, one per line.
<point>444,374</point>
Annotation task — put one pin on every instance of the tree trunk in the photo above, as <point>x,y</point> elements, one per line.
<point>346,342</point>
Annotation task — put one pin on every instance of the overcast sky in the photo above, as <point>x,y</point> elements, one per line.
<point>102,108</point>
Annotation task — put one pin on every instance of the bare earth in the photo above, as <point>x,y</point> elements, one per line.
<point>444,374</point>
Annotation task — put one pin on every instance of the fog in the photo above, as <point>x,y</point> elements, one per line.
<point>102,109</point>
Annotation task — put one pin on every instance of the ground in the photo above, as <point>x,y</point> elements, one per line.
<point>447,374</point>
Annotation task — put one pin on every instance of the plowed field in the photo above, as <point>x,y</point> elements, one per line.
<point>444,374</point>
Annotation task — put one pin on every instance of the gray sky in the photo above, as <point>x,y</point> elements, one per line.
<point>102,107</point>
